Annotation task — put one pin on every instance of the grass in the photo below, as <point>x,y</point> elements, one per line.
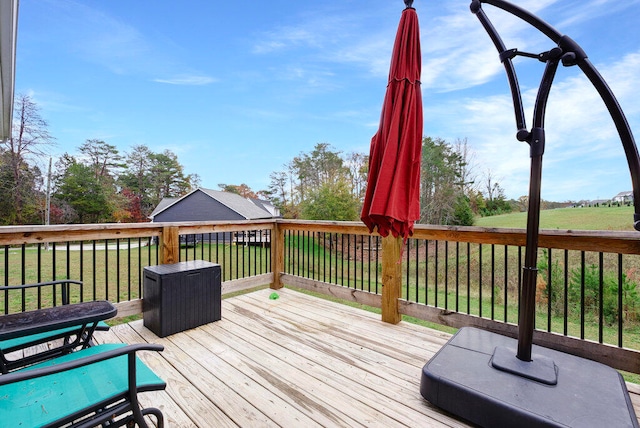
<point>586,218</point>
<point>110,274</point>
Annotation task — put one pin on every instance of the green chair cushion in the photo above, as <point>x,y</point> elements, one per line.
<point>43,400</point>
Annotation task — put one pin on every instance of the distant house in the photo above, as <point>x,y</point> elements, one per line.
<point>212,205</point>
<point>623,197</point>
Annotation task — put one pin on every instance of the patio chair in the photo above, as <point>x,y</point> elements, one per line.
<point>74,337</point>
<point>87,388</point>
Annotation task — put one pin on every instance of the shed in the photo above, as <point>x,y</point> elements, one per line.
<point>212,205</point>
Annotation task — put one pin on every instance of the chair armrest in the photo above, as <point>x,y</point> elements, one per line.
<point>28,373</point>
<point>41,284</point>
<point>65,289</point>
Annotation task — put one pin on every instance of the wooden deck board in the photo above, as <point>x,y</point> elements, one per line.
<point>294,361</point>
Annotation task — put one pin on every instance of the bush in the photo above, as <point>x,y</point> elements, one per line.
<point>544,289</point>
<point>630,297</point>
<point>462,214</point>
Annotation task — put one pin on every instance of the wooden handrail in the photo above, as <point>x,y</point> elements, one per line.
<point>617,242</point>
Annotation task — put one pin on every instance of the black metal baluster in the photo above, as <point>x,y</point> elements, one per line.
<point>493,280</point>
<point>6,279</point>
<point>435,271</point>
<point>506,283</point>
<point>81,255</point>
<point>601,297</point>
<point>480,279</point>
<point>23,256</point>
<point>342,260</point>
<point>566,293</point>
<point>106,269</point>
<point>417,280</point>
<point>408,268</point>
<point>377,260</point>
<point>582,283</point>
<point>468,277</point>
<point>426,273</point>
<point>117,269</point>
<point>549,289</point>
<point>93,255</point>
<point>457,276</point>
<point>620,301</point>
<point>446,274</point>
<point>39,275</point>
<point>53,261</point>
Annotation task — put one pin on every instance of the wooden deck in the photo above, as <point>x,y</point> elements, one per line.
<point>297,361</point>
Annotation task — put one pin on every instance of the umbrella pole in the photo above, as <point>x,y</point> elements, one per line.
<point>526,323</point>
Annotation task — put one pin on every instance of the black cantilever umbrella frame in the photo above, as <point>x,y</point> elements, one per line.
<point>569,53</point>
<point>480,375</point>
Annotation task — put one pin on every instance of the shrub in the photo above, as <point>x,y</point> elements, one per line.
<point>592,297</point>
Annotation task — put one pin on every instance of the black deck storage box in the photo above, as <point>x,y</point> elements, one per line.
<point>181,296</point>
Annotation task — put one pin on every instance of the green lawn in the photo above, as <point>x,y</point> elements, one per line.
<point>588,218</point>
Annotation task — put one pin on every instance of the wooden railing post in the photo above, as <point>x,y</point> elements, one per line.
<point>170,245</point>
<point>391,279</point>
<point>277,255</point>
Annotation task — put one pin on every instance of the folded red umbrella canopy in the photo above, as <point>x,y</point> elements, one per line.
<point>392,199</point>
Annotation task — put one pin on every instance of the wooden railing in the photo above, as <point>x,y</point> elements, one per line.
<point>453,276</point>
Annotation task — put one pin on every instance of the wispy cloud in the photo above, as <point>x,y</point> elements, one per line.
<point>336,37</point>
<point>582,143</point>
<point>593,9</point>
<point>188,80</point>
<point>97,37</point>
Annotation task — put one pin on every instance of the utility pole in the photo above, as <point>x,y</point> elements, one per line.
<point>48,203</point>
<point>48,207</point>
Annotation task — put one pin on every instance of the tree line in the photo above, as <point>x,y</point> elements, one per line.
<point>98,183</point>
<point>324,184</point>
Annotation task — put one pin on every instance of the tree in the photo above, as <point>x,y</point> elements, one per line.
<point>495,199</point>
<point>32,200</point>
<point>331,201</point>
<point>78,187</point>
<point>136,179</point>
<point>306,178</point>
<point>278,190</point>
<point>441,182</point>
<point>130,210</point>
<point>462,213</point>
<point>523,203</point>
<point>242,190</point>
<point>315,169</point>
<point>358,166</point>
<point>104,159</point>
<point>467,166</point>
<point>29,139</point>
<point>167,177</point>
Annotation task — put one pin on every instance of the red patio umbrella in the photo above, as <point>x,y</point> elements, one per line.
<point>392,199</point>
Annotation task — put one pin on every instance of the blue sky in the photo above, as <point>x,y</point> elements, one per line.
<point>237,89</point>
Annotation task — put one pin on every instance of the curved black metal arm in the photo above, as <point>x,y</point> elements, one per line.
<point>624,131</point>
<point>521,122</point>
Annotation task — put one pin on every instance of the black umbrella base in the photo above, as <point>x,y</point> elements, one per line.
<point>477,376</point>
